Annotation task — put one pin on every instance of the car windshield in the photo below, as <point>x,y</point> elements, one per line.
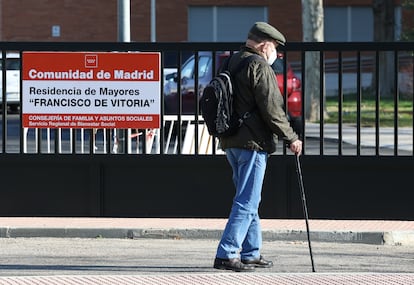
<point>203,67</point>
<point>187,71</point>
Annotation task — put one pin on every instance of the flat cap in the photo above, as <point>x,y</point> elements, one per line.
<point>265,31</point>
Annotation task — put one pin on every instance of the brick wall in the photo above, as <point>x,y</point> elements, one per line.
<point>96,20</point>
<point>79,20</point>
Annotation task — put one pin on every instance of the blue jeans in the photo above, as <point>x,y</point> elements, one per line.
<point>242,237</point>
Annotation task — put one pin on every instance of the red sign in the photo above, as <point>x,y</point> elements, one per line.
<point>91,90</point>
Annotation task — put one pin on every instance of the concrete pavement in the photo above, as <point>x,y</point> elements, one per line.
<point>187,231</point>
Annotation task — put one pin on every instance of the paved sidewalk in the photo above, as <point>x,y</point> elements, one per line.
<point>349,231</point>
<point>368,135</point>
<point>339,231</point>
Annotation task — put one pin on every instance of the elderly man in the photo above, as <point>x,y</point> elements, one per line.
<point>247,151</point>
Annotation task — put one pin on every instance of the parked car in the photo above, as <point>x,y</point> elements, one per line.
<point>12,80</point>
<point>205,73</point>
<point>171,62</point>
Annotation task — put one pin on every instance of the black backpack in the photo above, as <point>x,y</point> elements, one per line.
<point>216,103</point>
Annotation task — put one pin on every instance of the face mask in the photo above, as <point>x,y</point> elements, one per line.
<point>273,56</point>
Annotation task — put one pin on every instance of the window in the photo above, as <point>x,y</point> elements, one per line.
<point>346,24</point>
<point>354,24</point>
<point>221,23</point>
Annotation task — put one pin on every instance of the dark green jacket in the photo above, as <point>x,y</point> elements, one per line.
<point>257,90</point>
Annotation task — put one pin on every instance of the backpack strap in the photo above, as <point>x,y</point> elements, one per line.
<point>233,74</point>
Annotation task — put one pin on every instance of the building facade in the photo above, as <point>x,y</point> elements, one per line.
<point>182,20</point>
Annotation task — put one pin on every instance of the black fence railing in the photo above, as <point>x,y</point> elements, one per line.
<point>344,98</point>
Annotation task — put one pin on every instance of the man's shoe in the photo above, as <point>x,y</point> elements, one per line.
<point>232,264</point>
<point>260,262</point>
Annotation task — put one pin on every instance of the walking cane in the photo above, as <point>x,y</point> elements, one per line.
<point>305,209</point>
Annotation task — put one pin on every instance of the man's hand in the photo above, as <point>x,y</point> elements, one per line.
<point>296,147</point>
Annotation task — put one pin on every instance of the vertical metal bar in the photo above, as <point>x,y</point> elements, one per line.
<point>21,147</point>
<point>39,140</point>
<point>153,21</point>
<point>284,91</point>
<point>358,103</point>
<point>396,102</point>
<point>123,141</point>
<point>144,140</point>
<point>377,104</point>
<point>196,68</point>
<point>321,101</point>
<point>124,35</point>
<point>179,102</point>
<point>303,89</point>
<point>162,125</point>
<point>73,140</point>
<point>215,67</point>
<point>4,103</point>
<point>92,142</point>
<point>124,20</point>
<point>56,140</point>
<point>108,145</point>
<point>340,102</point>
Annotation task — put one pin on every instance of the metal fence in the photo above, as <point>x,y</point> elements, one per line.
<point>349,75</point>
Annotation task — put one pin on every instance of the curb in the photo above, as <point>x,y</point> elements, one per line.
<point>399,238</point>
<point>376,238</point>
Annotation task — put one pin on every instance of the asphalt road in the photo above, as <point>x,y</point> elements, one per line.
<point>100,256</point>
